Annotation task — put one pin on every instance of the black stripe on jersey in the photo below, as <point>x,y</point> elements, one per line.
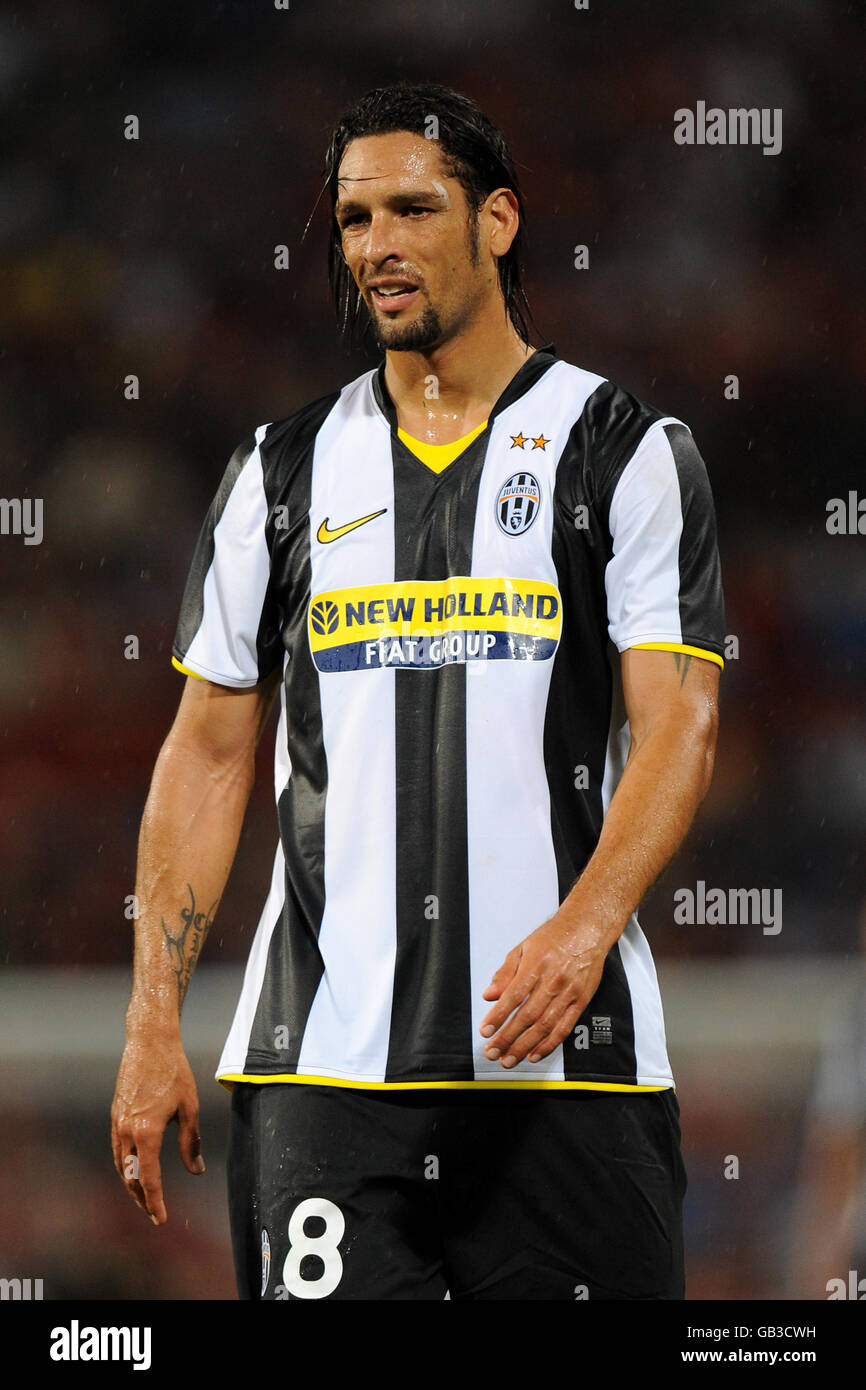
<point>702,607</point>
<point>433,528</point>
<point>601,443</point>
<point>295,966</point>
<point>192,605</point>
<point>581,698</point>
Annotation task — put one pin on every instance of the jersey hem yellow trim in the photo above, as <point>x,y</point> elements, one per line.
<point>678,647</point>
<point>229,1078</point>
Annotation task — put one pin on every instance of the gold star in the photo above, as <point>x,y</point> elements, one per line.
<point>518,441</point>
<point>540,442</point>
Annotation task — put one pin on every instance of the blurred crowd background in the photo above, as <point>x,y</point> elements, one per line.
<point>155,257</point>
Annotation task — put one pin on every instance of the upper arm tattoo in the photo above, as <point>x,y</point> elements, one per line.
<point>686,660</point>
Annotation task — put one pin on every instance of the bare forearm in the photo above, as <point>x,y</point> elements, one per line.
<point>189,836</point>
<point>547,980</point>
<point>664,782</point>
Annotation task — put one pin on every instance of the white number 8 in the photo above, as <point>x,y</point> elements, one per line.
<point>325,1246</point>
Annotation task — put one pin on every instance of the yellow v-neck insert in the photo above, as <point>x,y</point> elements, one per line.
<point>438,456</point>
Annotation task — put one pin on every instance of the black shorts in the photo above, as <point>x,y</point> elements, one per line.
<point>349,1194</point>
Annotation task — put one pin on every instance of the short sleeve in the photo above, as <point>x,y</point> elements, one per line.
<point>663,581</point>
<point>228,631</point>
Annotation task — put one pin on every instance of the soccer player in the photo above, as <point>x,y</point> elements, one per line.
<point>486,585</point>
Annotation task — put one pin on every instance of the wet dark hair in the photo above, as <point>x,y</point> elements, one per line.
<point>473,151</point>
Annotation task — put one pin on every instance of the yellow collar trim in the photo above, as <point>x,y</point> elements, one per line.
<point>438,456</point>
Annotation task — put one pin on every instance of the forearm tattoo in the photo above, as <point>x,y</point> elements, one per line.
<point>183,950</point>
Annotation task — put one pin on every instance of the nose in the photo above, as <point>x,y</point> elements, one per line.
<point>382,240</point>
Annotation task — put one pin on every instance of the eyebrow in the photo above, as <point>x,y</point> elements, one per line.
<point>397,200</point>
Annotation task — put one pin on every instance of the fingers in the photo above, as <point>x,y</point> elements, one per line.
<point>537,1011</point>
<point>136,1157</point>
<point>136,1150</point>
<point>126,1159</point>
<point>189,1139</point>
<point>150,1178</point>
<point>504,974</point>
<point>520,985</point>
<point>548,1033</point>
<point>541,989</point>
<point>116,1147</point>
<point>130,1174</point>
<point>528,1026</point>
<point>143,1174</point>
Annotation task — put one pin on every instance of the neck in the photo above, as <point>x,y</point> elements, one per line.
<point>471,371</point>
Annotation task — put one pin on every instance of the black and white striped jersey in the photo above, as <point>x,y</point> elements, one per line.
<point>452,724</point>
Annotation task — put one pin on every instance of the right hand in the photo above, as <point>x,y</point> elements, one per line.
<point>155,1084</point>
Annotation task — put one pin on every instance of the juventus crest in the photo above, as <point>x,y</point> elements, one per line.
<point>518,503</point>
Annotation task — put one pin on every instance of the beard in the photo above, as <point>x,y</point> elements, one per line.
<point>424,332</point>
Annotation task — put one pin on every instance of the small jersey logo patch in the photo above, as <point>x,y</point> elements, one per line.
<point>324,617</point>
<point>266,1260</point>
<point>325,534</point>
<point>518,503</point>
<point>602,1030</point>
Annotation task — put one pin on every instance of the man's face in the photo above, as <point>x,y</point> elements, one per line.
<point>410,240</point>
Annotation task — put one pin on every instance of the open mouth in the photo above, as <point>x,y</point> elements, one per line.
<point>393,297</point>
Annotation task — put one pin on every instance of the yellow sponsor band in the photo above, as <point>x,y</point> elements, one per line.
<point>427,608</point>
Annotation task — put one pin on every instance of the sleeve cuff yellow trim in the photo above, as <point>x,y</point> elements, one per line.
<point>178,666</point>
<point>679,647</point>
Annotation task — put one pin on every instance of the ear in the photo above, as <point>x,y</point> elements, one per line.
<point>503,215</point>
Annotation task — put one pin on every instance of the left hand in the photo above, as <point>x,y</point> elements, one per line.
<point>542,988</point>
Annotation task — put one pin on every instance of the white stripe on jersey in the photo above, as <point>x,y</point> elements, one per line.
<point>352,477</point>
<point>646,522</point>
<point>224,648</point>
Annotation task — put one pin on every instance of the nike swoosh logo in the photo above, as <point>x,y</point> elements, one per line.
<point>324,535</point>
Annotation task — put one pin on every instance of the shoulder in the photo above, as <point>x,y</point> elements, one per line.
<point>612,417</point>
<point>611,427</point>
<point>276,447</point>
<point>356,394</point>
